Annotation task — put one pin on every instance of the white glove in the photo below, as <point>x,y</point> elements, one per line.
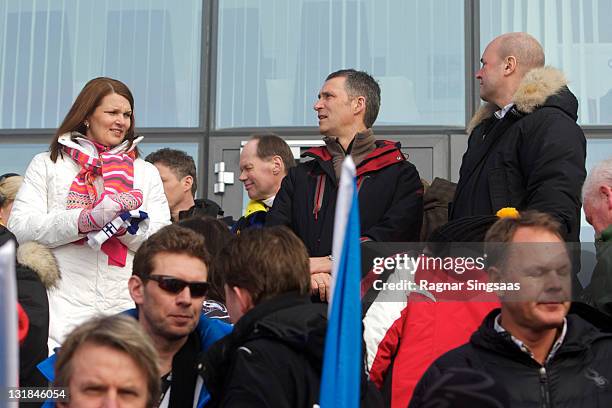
<point>107,209</point>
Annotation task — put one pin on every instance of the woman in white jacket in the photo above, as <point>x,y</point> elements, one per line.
<point>91,175</point>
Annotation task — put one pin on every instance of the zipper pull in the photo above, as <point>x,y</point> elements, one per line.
<point>542,372</point>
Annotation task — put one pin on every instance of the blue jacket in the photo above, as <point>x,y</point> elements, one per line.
<point>210,330</point>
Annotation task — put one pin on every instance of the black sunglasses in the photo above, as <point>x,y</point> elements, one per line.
<point>176,286</point>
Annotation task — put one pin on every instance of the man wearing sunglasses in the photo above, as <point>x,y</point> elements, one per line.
<point>168,286</point>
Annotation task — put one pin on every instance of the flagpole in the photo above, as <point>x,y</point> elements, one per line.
<point>340,382</point>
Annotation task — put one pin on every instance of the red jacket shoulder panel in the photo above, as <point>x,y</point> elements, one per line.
<point>385,154</point>
<point>319,152</point>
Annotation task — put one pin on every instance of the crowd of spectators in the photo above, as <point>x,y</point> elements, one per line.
<point>138,294</point>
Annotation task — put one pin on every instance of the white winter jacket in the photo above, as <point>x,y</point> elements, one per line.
<point>88,285</point>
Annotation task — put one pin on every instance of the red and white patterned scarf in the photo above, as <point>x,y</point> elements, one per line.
<point>117,171</point>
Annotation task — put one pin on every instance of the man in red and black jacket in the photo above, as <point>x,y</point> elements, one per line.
<point>390,189</point>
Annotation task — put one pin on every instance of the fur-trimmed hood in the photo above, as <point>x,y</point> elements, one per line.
<point>546,86</point>
<point>41,260</point>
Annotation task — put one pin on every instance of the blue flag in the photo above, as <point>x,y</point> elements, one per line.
<point>342,359</point>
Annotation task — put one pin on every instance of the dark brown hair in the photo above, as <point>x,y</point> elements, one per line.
<point>85,104</point>
<point>179,162</point>
<point>172,239</point>
<point>270,144</point>
<point>216,236</point>
<point>360,83</point>
<point>266,262</point>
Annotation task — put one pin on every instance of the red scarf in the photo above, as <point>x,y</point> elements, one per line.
<point>117,171</point>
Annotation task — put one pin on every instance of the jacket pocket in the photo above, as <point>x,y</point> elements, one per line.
<point>498,189</point>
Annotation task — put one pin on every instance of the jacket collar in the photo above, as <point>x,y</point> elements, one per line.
<point>535,88</point>
<point>580,335</point>
<point>204,327</point>
<point>606,235</point>
<point>253,317</point>
<point>79,142</point>
<point>41,260</point>
<point>385,153</point>
<point>362,144</point>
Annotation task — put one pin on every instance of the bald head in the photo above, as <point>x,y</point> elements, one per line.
<point>526,49</point>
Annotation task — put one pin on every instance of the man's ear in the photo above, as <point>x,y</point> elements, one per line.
<point>278,167</point>
<point>244,299</point>
<point>509,65</point>
<point>136,288</point>
<point>359,104</point>
<point>187,182</point>
<point>606,192</point>
<point>495,276</point>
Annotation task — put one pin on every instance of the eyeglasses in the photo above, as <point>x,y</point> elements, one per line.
<point>176,286</point>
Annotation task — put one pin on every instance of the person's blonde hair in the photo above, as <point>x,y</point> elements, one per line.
<point>122,333</point>
<point>9,186</point>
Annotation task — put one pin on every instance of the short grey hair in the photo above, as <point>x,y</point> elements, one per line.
<point>600,175</point>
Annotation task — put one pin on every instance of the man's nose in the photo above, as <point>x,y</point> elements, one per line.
<point>184,296</point>
<point>111,400</point>
<point>556,282</point>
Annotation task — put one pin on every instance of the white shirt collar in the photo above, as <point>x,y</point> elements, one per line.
<point>502,112</point>
<point>499,328</point>
<point>269,201</point>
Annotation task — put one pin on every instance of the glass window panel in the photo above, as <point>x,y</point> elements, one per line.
<point>189,148</point>
<point>17,157</point>
<point>577,38</point>
<point>273,56</point>
<point>50,49</point>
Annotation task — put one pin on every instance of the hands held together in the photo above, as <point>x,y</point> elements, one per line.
<point>320,277</point>
<point>107,209</point>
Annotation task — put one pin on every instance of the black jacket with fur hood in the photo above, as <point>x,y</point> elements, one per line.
<point>533,158</point>
<point>37,270</point>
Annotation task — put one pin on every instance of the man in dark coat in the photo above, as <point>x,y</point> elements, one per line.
<point>390,189</point>
<point>274,355</point>
<point>178,173</point>
<point>537,353</point>
<point>525,149</point>
<point>597,198</point>
<point>264,161</point>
